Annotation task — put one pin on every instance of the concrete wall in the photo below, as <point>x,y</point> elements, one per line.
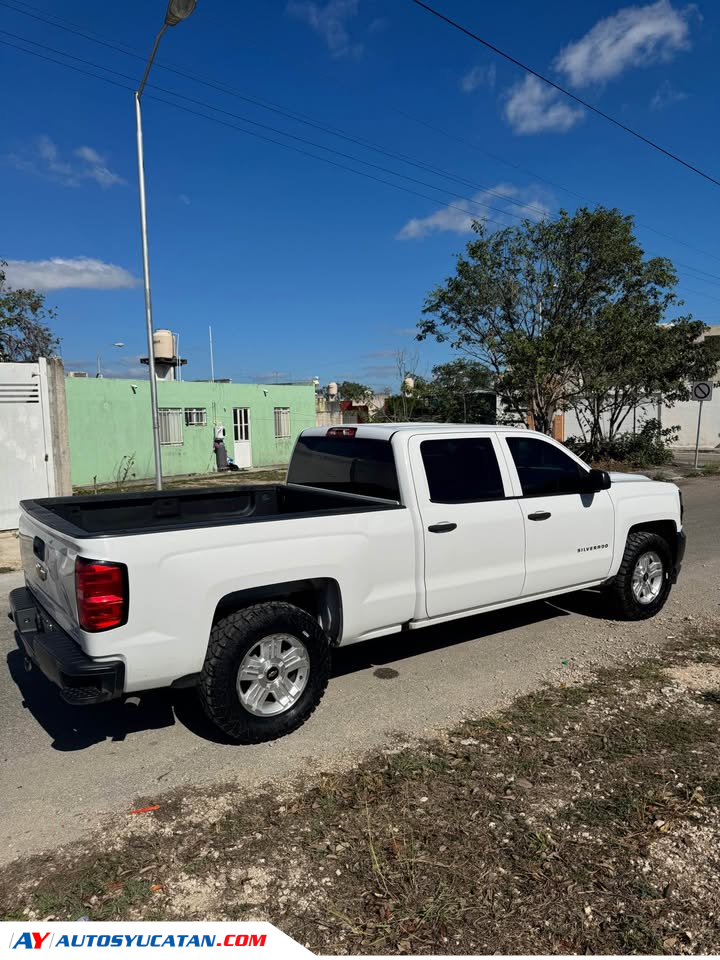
<point>111,419</point>
<point>33,435</point>
<point>328,413</point>
<point>683,415</point>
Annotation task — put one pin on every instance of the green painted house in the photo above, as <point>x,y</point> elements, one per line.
<point>110,421</point>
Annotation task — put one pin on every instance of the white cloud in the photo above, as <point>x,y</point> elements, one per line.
<point>82,164</point>
<point>534,107</point>
<point>96,168</point>
<point>459,216</point>
<point>480,76</point>
<point>184,199</point>
<point>60,274</point>
<point>666,96</point>
<point>632,37</point>
<point>330,21</point>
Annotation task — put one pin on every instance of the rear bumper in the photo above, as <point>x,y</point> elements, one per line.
<point>81,679</point>
<point>679,554</point>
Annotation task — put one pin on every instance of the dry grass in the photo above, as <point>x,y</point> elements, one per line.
<point>583,819</point>
<point>197,482</point>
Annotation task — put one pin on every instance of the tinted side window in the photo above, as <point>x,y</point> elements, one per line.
<point>348,464</point>
<point>461,470</point>
<point>544,469</point>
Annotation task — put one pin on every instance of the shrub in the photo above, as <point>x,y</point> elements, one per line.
<point>647,447</point>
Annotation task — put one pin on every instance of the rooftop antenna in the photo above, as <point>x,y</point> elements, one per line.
<point>212,362</point>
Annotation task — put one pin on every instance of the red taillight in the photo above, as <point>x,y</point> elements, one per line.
<point>101,590</point>
<point>342,431</point>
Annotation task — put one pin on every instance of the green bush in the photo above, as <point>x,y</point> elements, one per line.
<point>647,447</point>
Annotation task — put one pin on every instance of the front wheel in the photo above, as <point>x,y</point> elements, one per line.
<point>265,671</point>
<point>642,583</point>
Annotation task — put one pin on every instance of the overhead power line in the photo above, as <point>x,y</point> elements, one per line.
<point>252,133</point>
<point>264,126</point>
<point>204,115</point>
<point>565,92</point>
<point>278,109</point>
<point>75,29</point>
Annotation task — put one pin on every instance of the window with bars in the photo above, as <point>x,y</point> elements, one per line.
<point>282,423</point>
<point>195,417</point>
<point>171,425</point>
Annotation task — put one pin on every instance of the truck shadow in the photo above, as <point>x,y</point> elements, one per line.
<point>403,646</point>
<point>78,728</point>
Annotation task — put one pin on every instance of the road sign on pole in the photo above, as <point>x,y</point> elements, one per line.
<point>702,390</point>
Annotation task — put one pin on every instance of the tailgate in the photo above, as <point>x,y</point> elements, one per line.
<point>48,560</point>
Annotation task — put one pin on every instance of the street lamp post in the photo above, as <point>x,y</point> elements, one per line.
<point>99,370</point>
<point>177,10</point>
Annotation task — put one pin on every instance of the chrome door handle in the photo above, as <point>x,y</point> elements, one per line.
<point>41,571</point>
<point>539,515</point>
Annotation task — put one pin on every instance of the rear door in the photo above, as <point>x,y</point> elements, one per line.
<point>472,529</point>
<point>568,531</point>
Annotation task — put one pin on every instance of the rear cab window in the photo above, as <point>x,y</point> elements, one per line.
<point>347,464</point>
<point>462,470</point>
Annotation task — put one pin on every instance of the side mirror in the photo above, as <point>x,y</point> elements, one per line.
<point>599,480</point>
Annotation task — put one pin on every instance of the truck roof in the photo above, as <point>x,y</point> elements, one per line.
<point>384,431</point>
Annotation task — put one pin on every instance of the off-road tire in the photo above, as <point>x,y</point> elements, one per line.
<point>625,605</point>
<point>230,639</point>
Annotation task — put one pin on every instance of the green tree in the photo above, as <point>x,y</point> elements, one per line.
<point>24,331</point>
<point>357,392</point>
<point>461,391</point>
<point>410,403</point>
<point>627,357</point>
<point>712,345</point>
<point>560,312</point>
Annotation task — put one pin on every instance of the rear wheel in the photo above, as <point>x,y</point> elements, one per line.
<point>642,584</point>
<point>265,671</point>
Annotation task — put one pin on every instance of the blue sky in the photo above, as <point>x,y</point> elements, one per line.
<point>304,268</point>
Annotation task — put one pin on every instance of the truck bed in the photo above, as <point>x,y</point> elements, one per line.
<point>126,514</point>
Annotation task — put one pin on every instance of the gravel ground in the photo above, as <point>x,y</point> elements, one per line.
<point>582,818</point>
<point>9,552</point>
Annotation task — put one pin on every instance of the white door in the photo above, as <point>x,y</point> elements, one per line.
<point>472,526</point>
<point>568,531</point>
<point>26,467</point>
<point>241,436</point>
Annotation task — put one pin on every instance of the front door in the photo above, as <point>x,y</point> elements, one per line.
<point>241,437</point>
<point>472,528</point>
<point>568,531</point>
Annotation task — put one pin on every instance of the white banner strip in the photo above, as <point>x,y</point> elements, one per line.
<point>94,938</point>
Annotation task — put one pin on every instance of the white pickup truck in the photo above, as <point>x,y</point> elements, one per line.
<point>244,591</point>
